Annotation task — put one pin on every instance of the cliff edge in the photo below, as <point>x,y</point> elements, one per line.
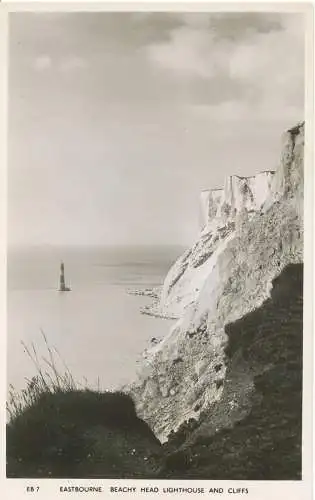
<point>251,230</point>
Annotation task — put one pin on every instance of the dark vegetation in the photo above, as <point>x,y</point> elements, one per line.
<point>57,429</point>
<point>61,431</point>
<point>81,434</point>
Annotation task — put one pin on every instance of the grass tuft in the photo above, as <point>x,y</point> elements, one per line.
<point>48,379</point>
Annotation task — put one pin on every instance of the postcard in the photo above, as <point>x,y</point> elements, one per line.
<point>157,225</point>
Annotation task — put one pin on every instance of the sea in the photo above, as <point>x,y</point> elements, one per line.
<point>96,331</point>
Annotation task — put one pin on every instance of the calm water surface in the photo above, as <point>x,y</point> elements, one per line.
<point>97,327</point>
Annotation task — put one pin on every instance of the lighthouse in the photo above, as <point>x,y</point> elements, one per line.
<point>62,284</point>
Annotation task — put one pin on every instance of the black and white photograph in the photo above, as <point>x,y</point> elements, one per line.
<point>155,246</point>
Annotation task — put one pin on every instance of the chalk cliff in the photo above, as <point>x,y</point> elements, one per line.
<point>250,231</point>
<point>222,212</point>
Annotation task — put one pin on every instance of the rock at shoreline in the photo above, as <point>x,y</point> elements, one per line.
<point>154,293</point>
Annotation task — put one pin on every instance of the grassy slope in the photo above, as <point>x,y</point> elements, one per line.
<point>81,434</point>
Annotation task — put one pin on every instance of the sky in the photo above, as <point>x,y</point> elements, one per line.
<point>117,121</point>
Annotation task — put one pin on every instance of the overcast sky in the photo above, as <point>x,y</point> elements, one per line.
<point>118,121</point>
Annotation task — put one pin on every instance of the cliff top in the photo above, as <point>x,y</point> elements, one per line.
<point>207,190</point>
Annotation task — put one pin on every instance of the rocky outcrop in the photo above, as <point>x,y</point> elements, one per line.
<point>252,229</point>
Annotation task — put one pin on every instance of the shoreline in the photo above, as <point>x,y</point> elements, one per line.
<point>151,309</point>
<point>153,293</point>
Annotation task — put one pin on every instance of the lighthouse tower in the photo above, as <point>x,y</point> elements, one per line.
<point>62,285</point>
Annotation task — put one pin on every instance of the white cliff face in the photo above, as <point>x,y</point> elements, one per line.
<point>288,181</point>
<point>222,210</point>
<point>238,194</point>
<point>252,229</point>
<point>209,202</point>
